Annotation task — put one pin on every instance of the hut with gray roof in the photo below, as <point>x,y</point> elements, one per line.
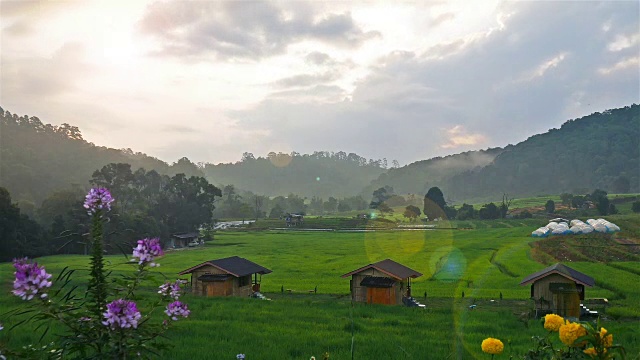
<point>384,282</point>
<point>232,276</point>
<point>558,289</point>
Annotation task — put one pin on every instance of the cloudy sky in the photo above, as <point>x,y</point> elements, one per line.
<point>403,80</point>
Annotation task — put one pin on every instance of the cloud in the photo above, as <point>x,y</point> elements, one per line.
<point>475,83</point>
<point>442,18</point>
<point>32,78</point>
<point>546,65</point>
<point>23,17</point>
<point>631,62</point>
<point>179,129</point>
<point>18,28</point>
<point>458,136</point>
<point>243,30</point>
<point>304,80</point>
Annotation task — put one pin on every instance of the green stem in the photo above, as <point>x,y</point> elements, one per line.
<point>97,288</point>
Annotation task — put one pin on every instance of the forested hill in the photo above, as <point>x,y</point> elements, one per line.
<point>320,174</point>
<point>598,151</point>
<point>37,159</point>
<point>418,177</point>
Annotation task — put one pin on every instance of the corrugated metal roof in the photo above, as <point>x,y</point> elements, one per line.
<point>378,282</point>
<point>186,235</point>
<point>563,270</point>
<point>234,265</point>
<point>391,268</point>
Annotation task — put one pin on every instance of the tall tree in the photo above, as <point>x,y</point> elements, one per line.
<point>550,206</point>
<point>434,203</point>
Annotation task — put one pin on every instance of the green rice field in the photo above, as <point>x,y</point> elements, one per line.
<point>482,261</point>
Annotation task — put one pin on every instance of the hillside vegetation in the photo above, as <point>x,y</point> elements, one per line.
<point>38,159</point>
<point>320,174</point>
<point>599,151</point>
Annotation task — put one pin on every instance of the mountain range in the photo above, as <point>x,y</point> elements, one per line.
<point>600,150</point>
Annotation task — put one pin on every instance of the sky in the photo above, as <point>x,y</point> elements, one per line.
<point>408,81</point>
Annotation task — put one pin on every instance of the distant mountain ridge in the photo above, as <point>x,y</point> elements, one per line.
<point>418,177</point>
<point>600,150</point>
<point>37,159</point>
<point>321,174</point>
<point>596,151</point>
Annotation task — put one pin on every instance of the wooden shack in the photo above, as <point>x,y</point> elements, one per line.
<point>385,282</point>
<point>182,240</point>
<point>232,276</point>
<point>558,289</point>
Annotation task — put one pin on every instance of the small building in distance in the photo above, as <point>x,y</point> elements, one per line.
<point>232,276</point>
<point>558,289</point>
<point>183,240</point>
<point>384,282</point>
<point>294,219</point>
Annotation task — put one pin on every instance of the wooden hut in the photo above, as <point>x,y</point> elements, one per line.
<point>558,289</point>
<point>232,276</point>
<point>182,240</point>
<point>385,282</point>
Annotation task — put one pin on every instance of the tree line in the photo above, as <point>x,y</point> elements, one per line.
<point>147,204</point>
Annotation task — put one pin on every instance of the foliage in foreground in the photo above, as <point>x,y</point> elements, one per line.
<point>92,327</point>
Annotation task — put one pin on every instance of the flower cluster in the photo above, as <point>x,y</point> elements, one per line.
<point>492,346</point>
<point>570,332</point>
<point>146,251</point>
<point>603,341</point>
<point>30,279</point>
<point>171,290</point>
<point>121,314</point>
<point>176,309</point>
<point>552,322</point>
<point>97,199</point>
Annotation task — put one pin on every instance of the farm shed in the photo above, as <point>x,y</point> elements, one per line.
<point>182,240</point>
<point>558,289</point>
<point>385,282</point>
<point>230,276</point>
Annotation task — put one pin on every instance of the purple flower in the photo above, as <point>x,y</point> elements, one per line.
<point>176,309</point>
<point>171,289</point>
<point>30,278</point>
<point>97,199</point>
<point>147,250</point>
<point>1,327</point>
<point>121,314</point>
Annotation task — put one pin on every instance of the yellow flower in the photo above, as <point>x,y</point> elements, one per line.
<point>492,346</point>
<point>591,352</point>
<point>552,322</point>
<point>607,340</point>
<point>569,332</point>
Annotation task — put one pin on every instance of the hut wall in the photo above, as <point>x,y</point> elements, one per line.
<point>541,289</point>
<point>197,286</point>
<point>246,288</point>
<point>359,293</point>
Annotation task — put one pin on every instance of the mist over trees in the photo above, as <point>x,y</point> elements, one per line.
<point>321,174</point>
<point>46,170</point>
<point>599,151</point>
<point>38,159</point>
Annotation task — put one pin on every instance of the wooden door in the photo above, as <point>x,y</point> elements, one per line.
<point>571,304</point>
<point>379,296</point>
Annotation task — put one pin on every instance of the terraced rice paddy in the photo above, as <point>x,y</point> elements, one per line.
<point>485,263</point>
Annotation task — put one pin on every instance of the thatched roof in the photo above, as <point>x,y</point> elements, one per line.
<point>562,270</point>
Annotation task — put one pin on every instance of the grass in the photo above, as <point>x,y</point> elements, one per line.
<point>484,260</point>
